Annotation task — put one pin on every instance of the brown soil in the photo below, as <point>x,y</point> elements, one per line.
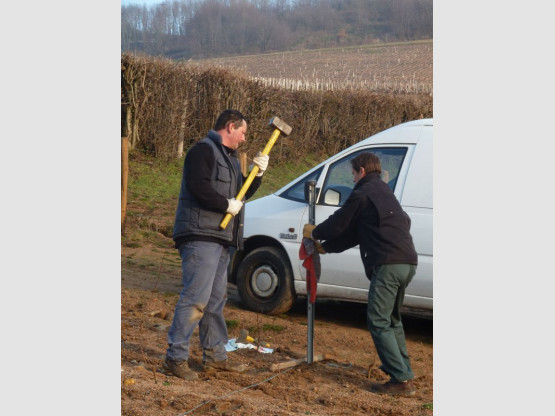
<point>337,385</point>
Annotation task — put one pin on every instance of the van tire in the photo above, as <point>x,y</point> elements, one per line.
<point>265,281</point>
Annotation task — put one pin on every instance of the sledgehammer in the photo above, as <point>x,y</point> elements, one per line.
<point>279,127</point>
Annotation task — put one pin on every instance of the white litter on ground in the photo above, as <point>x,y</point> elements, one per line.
<point>232,345</point>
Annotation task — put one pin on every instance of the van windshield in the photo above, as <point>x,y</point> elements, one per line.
<point>296,192</point>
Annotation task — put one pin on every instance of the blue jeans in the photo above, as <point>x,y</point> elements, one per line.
<point>201,302</point>
<point>385,298</point>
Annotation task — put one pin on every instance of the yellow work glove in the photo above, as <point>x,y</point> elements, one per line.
<point>307,230</point>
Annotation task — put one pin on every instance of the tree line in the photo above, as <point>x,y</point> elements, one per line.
<point>183,29</point>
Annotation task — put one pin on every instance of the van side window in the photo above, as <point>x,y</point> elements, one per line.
<point>340,177</point>
<point>296,192</point>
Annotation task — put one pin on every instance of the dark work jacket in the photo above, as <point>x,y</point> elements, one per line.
<point>211,176</point>
<point>373,218</point>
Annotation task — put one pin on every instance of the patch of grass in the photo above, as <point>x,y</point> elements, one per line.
<point>274,328</point>
<point>231,323</point>
<point>132,244</point>
<point>175,261</point>
<point>154,180</point>
<point>428,406</point>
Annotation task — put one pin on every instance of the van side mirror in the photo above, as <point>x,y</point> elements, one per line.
<point>332,197</point>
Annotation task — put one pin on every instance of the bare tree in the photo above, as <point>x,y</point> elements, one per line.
<point>208,28</point>
<point>411,19</point>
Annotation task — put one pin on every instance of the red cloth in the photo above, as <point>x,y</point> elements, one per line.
<point>311,263</point>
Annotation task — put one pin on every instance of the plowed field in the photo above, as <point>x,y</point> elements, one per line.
<point>401,68</point>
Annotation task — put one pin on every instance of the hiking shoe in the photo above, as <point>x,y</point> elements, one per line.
<point>179,369</point>
<point>224,365</point>
<point>403,388</point>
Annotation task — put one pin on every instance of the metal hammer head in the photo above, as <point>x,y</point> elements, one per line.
<point>281,126</point>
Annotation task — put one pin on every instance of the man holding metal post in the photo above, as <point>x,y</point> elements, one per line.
<point>373,218</point>
<point>211,179</point>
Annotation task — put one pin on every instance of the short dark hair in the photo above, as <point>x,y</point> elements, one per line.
<point>229,116</point>
<point>369,161</point>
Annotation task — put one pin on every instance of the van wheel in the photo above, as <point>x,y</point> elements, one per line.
<point>265,281</point>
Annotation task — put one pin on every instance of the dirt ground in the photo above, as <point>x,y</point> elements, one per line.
<point>337,385</point>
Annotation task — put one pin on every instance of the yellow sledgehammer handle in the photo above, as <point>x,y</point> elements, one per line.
<point>251,176</point>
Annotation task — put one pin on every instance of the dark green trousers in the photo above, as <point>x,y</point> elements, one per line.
<point>385,297</point>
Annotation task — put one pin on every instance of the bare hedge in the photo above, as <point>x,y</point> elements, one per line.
<point>167,106</point>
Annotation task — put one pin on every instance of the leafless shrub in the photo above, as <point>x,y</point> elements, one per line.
<point>168,106</point>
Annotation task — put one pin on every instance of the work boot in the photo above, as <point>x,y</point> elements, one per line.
<point>179,369</point>
<point>224,365</point>
<point>403,388</point>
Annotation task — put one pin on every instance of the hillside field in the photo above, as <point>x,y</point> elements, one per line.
<point>398,68</point>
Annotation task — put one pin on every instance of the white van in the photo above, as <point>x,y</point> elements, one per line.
<point>268,272</point>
